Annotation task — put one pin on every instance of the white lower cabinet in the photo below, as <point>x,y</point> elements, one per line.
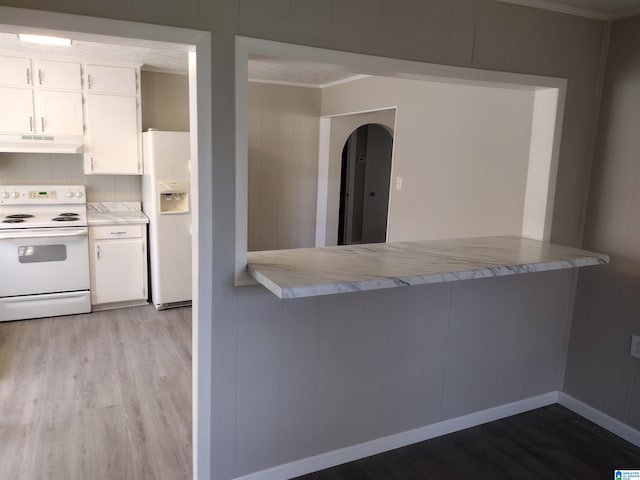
<point>118,264</point>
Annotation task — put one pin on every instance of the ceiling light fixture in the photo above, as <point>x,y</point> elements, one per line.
<point>45,40</point>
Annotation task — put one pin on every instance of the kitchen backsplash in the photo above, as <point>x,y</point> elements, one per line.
<point>63,169</point>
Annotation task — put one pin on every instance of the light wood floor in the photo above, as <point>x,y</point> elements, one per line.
<point>105,395</point>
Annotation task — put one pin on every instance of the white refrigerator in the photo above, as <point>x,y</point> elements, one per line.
<point>166,201</point>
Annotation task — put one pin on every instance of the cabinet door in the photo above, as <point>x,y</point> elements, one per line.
<point>16,110</point>
<point>112,141</point>
<point>59,113</point>
<point>15,71</point>
<point>57,75</point>
<point>119,272</point>
<point>103,79</point>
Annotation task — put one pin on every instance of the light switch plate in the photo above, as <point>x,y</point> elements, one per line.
<point>635,346</point>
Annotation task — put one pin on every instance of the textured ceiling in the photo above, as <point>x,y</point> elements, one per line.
<point>260,67</point>
<point>295,71</point>
<point>150,57</point>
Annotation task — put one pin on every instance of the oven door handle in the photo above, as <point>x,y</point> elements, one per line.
<point>44,233</point>
<point>43,297</point>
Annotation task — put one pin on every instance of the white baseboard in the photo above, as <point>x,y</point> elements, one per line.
<point>362,450</point>
<point>599,418</point>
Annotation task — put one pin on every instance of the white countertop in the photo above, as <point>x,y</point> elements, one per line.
<point>115,213</point>
<point>307,272</point>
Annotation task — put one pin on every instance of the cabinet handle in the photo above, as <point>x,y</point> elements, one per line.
<point>31,124</point>
<point>91,164</point>
<point>117,233</point>
<point>40,76</point>
<point>89,81</point>
<point>98,252</point>
<point>42,123</point>
<point>28,77</point>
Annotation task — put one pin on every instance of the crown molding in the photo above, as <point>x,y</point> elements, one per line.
<point>629,14</point>
<point>308,85</point>
<point>554,7</point>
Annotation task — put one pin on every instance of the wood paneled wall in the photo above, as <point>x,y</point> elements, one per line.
<point>289,377</point>
<point>283,166</point>
<point>600,370</point>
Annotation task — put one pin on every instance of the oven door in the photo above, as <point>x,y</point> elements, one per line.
<point>44,260</point>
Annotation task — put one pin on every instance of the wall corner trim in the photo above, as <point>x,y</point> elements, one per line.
<point>373,447</point>
<point>594,415</point>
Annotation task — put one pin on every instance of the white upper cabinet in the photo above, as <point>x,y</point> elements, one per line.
<point>59,113</point>
<point>54,113</point>
<point>112,143</point>
<point>16,110</point>
<point>116,80</point>
<point>51,97</point>
<point>57,75</point>
<point>40,106</point>
<point>15,72</point>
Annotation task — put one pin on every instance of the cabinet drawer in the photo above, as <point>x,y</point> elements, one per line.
<point>117,231</point>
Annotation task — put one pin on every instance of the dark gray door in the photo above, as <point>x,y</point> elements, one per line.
<point>365,184</point>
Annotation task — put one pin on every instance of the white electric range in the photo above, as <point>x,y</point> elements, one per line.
<point>44,251</point>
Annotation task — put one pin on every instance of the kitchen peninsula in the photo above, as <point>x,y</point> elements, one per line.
<point>307,272</point>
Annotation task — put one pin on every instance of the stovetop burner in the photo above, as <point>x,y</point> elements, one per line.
<point>31,207</point>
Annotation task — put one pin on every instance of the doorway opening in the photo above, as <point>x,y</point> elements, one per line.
<point>365,180</point>
<point>190,49</point>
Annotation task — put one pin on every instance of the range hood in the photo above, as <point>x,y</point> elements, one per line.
<point>41,144</point>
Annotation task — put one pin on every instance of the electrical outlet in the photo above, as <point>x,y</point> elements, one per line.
<point>398,183</point>
<point>635,346</point>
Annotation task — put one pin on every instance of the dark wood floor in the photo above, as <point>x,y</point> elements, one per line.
<point>101,396</point>
<point>549,443</point>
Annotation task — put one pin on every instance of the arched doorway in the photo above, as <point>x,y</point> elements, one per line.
<point>364,185</point>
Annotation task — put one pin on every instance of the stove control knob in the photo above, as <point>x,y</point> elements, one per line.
<point>78,194</point>
<point>69,194</point>
<point>4,195</point>
<point>15,195</point>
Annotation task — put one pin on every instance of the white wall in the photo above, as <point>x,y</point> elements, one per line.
<point>462,151</point>
<point>283,166</point>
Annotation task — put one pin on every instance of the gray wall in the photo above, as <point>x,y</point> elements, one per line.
<point>600,371</point>
<point>283,166</point>
<point>262,414</point>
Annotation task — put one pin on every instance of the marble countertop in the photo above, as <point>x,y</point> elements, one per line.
<point>308,272</point>
<point>115,213</point>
